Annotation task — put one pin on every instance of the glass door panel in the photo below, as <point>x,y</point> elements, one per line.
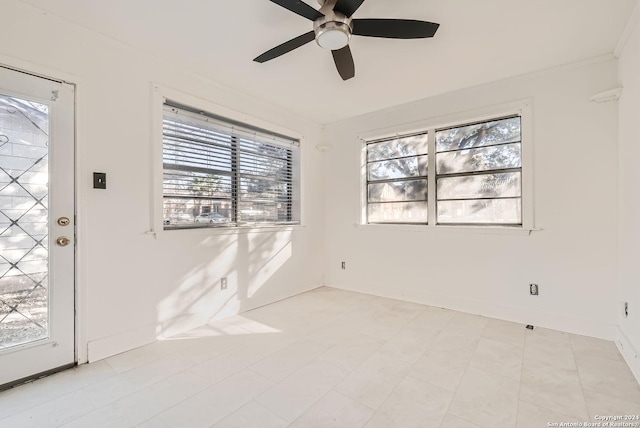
<point>24,151</point>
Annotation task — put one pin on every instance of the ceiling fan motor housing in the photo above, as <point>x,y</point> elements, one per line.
<point>333,30</point>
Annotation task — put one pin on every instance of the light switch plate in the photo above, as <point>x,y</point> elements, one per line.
<point>99,180</point>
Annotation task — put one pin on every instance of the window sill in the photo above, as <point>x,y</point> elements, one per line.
<point>229,230</point>
<point>480,230</point>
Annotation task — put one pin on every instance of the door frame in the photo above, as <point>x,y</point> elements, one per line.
<point>80,193</point>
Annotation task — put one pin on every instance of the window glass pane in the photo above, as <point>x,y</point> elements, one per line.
<point>185,212</point>
<point>398,212</point>
<point>400,147</point>
<point>213,218</point>
<point>411,190</point>
<point>262,188</point>
<point>259,212</point>
<point>480,211</point>
<point>482,134</point>
<point>480,186</point>
<point>483,159</point>
<point>398,168</point>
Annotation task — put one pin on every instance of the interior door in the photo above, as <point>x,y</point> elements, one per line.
<point>36,226</point>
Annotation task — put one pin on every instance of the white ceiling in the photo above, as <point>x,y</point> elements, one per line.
<point>478,41</point>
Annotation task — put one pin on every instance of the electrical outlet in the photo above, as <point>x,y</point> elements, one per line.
<point>533,289</point>
<point>223,283</point>
<point>344,265</point>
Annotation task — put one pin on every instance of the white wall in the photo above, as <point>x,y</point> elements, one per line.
<point>132,287</point>
<point>573,258</point>
<point>629,226</point>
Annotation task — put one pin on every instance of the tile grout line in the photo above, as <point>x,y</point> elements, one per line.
<point>524,351</point>
<point>201,391</point>
<point>462,377</point>
<point>354,369</point>
<point>316,359</point>
<point>455,392</point>
<point>171,354</point>
<point>375,411</point>
<point>366,359</point>
<point>359,365</point>
<point>35,383</point>
<point>52,400</point>
<point>191,395</point>
<point>238,408</point>
<point>575,361</point>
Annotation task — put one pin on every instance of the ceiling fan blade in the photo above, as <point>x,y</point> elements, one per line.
<point>286,47</point>
<point>299,7</point>
<point>347,7</point>
<point>394,28</point>
<point>344,62</point>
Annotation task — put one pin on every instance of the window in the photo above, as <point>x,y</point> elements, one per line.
<point>219,173</point>
<point>477,176</point>
<point>397,180</point>
<point>479,173</point>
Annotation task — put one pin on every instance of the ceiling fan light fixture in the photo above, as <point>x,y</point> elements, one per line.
<point>332,39</point>
<point>332,34</point>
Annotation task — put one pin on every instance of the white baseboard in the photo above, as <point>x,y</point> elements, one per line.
<point>629,353</point>
<point>108,346</point>
<point>584,327</point>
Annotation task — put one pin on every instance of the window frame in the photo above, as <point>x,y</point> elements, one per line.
<point>162,96</point>
<point>418,177</point>
<point>521,108</point>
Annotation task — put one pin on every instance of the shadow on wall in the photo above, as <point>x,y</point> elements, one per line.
<point>248,261</point>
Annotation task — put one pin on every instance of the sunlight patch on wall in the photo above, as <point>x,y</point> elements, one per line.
<point>198,296</point>
<point>268,256</point>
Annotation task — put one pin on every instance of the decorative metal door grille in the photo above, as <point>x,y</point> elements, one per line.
<point>24,292</point>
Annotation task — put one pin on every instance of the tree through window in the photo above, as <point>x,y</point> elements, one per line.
<point>477,169</point>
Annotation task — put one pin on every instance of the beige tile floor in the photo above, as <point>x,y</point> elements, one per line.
<point>332,358</point>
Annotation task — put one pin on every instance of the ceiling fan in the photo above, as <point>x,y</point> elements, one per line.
<point>333,27</point>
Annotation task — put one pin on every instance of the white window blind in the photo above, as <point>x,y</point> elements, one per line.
<point>221,173</point>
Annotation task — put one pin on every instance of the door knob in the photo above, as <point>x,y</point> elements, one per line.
<point>63,241</point>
